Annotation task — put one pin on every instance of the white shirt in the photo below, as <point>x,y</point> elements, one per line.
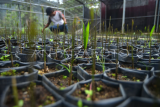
<point>57,19</point>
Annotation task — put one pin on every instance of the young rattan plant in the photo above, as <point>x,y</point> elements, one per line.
<point>85,37</point>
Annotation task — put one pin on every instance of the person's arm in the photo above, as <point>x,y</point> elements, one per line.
<point>62,16</point>
<point>49,22</point>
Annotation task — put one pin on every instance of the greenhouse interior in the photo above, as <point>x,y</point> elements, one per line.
<point>76,53</point>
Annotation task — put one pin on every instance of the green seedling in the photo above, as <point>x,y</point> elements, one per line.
<point>20,103</point>
<point>138,80</point>
<point>8,73</point>
<point>16,65</point>
<point>99,88</point>
<point>113,74</point>
<point>124,77</point>
<point>51,40</point>
<point>68,69</point>
<point>39,47</point>
<point>61,84</point>
<point>78,80</point>
<point>85,36</point>
<point>79,103</point>
<point>62,88</point>
<point>64,77</point>
<point>152,58</point>
<point>5,58</point>
<point>90,93</point>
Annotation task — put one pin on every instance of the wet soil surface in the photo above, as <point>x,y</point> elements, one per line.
<point>129,67</point>
<point>62,81</point>
<point>37,95</point>
<point>123,77</point>
<point>48,70</point>
<point>13,73</point>
<point>102,91</point>
<point>154,89</point>
<point>89,71</point>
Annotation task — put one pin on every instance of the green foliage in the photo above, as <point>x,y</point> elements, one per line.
<point>90,93</point>
<point>86,35</point>
<point>64,77</point>
<point>99,88</point>
<point>152,31</point>
<point>20,103</point>
<point>16,65</point>
<point>124,77</point>
<point>138,80</point>
<point>113,74</point>
<point>62,88</point>
<point>79,103</point>
<point>51,40</point>
<point>39,47</point>
<point>8,73</point>
<point>68,69</point>
<point>5,58</point>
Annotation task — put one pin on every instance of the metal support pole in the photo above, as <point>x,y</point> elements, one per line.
<point>100,17</point>
<point>19,15</point>
<point>155,17</point>
<point>123,17</point>
<point>106,18</point>
<point>64,13</point>
<point>158,17</point>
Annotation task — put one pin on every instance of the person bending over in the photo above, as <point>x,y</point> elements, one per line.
<point>58,19</point>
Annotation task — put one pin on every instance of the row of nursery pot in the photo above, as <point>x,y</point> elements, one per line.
<point>109,91</point>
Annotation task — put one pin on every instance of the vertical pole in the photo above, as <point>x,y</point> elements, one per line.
<point>158,17</point>
<point>123,17</point>
<point>155,17</point>
<point>100,17</point>
<point>106,18</point>
<point>64,13</point>
<point>19,17</point>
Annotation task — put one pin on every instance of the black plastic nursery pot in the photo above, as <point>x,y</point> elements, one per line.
<point>27,57</point>
<point>151,88</point>
<point>124,57</point>
<point>82,70</point>
<point>60,56</point>
<point>132,88</point>
<point>8,64</point>
<point>7,80</point>
<point>64,91</point>
<point>110,102</point>
<point>156,73</point>
<point>50,65</point>
<point>153,63</point>
<point>139,102</point>
<point>138,68</point>
<point>23,85</point>
<point>68,60</point>
<point>15,57</point>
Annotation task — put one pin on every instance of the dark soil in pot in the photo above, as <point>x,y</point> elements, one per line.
<point>35,94</point>
<point>42,96</point>
<point>103,91</point>
<point>89,71</point>
<point>48,70</point>
<point>61,81</point>
<point>14,73</point>
<point>7,64</point>
<point>123,77</point>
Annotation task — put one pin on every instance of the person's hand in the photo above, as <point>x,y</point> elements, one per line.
<point>42,30</point>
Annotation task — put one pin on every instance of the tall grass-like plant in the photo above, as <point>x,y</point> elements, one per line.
<point>85,36</point>
<point>44,41</point>
<point>150,43</point>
